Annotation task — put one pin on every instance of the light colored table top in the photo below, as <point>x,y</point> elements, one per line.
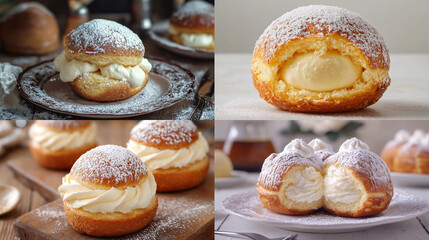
<point>416,228</point>
<point>406,98</point>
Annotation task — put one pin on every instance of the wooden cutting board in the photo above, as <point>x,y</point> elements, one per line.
<point>182,215</point>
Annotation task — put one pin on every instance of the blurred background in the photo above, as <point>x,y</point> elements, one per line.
<point>403,24</point>
<point>248,143</point>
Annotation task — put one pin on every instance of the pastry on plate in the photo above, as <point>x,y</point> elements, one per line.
<point>413,156</point>
<point>174,151</point>
<point>223,164</point>
<point>322,150</point>
<point>357,182</point>
<point>109,192</point>
<point>29,28</point>
<point>291,182</point>
<point>390,150</point>
<point>193,25</point>
<point>57,144</point>
<point>103,61</point>
<point>320,59</point>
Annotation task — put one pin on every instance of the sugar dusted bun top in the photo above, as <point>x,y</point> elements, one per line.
<point>319,20</point>
<point>64,125</point>
<point>165,134</point>
<point>104,37</point>
<point>194,14</point>
<point>109,166</point>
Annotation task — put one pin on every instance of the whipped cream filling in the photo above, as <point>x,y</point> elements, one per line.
<point>193,39</point>
<point>63,140</point>
<point>340,187</point>
<point>155,158</point>
<point>307,186</point>
<point>402,135</point>
<point>300,147</point>
<point>353,144</point>
<point>319,145</point>
<point>107,201</point>
<point>417,136</point>
<point>320,72</point>
<point>223,164</point>
<point>70,70</point>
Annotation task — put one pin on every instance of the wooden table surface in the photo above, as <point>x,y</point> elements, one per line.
<point>416,228</point>
<point>181,110</point>
<point>405,98</point>
<point>31,199</point>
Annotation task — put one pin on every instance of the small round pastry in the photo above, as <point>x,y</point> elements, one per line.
<point>29,28</point>
<point>57,144</point>
<point>109,192</point>
<point>174,151</point>
<point>320,59</point>
<point>389,151</point>
<point>322,150</point>
<point>291,182</point>
<point>103,61</point>
<point>223,164</point>
<point>357,181</point>
<point>193,25</point>
<point>413,156</point>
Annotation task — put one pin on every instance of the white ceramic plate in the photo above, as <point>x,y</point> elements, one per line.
<point>168,84</point>
<point>158,34</point>
<point>410,179</point>
<point>236,178</point>
<point>403,207</point>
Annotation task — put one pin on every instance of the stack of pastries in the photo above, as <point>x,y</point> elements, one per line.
<point>354,182</point>
<point>407,153</point>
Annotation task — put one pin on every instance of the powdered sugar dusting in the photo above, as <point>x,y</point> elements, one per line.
<point>97,35</point>
<point>170,132</point>
<point>403,206</point>
<point>109,164</point>
<point>57,215</point>
<point>170,225</point>
<point>276,165</point>
<point>200,10</point>
<point>365,163</point>
<point>324,20</point>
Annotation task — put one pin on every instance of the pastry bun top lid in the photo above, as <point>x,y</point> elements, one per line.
<point>353,144</point>
<point>23,7</point>
<point>64,125</point>
<point>319,145</point>
<point>165,134</point>
<point>366,165</point>
<point>104,37</point>
<point>194,14</point>
<point>300,147</point>
<point>321,20</point>
<point>402,136</point>
<point>109,166</point>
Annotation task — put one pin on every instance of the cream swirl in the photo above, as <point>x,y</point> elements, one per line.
<point>300,147</point>
<point>63,140</point>
<point>155,158</point>
<point>353,144</point>
<point>107,201</point>
<point>319,145</point>
<point>402,135</point>
<point>307,186</point>
<point>340,187</point>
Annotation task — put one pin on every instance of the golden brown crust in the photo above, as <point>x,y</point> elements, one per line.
<point>371,206</point>
<point>270,200</point>
<point>62,159</point>
<point>411,158</point>
<point>165,134</point>
<point>64,125</point>
<point>176,179</point>
<point>389,152</point>
<point>197,15</point>
<point>30,31</point>
<point>94,86</point>
<point>110,224</point>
